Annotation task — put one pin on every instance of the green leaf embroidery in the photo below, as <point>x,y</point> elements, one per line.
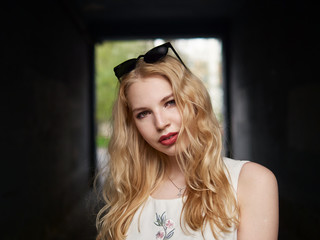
<point>161,221</point>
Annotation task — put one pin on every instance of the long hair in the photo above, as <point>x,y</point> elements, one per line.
<point>135,169</point>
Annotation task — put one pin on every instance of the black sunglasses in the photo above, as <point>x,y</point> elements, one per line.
<point>152,56</point>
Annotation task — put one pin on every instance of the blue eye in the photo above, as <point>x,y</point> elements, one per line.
<point>170,103</point>
<point>142,114</point>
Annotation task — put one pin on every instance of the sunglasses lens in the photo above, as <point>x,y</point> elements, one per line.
<point>125,67</point>
<point>155,54</point>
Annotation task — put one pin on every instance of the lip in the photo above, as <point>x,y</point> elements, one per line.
<point>169,138</point>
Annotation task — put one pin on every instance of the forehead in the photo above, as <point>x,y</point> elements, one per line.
<point>148,90</point>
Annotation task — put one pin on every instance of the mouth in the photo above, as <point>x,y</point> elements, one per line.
<point>169,138</point>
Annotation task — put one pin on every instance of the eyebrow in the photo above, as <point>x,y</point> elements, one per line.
<point>162,100</point>
<point>166,98</point>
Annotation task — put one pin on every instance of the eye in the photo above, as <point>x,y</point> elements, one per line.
<point>142,114</point>
<point>170,103</point>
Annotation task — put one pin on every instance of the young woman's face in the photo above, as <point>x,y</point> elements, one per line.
<point>155,112</point>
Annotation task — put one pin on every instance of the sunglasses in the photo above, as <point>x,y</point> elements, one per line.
<point>152,56</point>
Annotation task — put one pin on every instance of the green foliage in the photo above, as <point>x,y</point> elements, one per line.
<point>102,141</point>
<point>107,56</point>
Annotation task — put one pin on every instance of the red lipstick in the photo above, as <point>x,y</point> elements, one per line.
<point>169,138</point>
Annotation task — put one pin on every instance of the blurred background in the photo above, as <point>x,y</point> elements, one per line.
<point>259,60</point>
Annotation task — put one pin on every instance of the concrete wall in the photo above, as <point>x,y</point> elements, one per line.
<point>45,94</point>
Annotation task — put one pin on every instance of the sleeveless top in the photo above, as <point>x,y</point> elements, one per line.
<point>160,218</point>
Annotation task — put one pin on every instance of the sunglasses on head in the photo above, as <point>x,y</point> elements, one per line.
<point>152,56</point>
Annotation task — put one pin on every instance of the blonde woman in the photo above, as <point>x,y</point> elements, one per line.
<point>166,178</point>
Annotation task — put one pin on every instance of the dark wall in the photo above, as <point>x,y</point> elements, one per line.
<point>45,94</point>
<point>275,114</point>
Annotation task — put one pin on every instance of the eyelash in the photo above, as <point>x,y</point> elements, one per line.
<point>143,114</point>
<point>171,103</point>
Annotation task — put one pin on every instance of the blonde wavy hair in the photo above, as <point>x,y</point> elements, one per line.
<point>135,169</point>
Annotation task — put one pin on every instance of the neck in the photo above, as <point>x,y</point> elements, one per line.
<point>173,168</point>
<point>173,181</point>
<point>175,174</point>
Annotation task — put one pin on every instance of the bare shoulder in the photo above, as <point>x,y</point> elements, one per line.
<point>258,201</point>
<point>256,182</point>
<point>253,174</point>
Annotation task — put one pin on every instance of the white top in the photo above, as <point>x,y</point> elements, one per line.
<point>160,218</point>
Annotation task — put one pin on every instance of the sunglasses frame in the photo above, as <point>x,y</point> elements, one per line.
<point>153,55</point>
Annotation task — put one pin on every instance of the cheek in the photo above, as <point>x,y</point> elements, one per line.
<point>143,129</point>
<point>140,130</point>
<point>177,118</point>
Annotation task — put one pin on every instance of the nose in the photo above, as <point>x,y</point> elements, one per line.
<point>161,121</point>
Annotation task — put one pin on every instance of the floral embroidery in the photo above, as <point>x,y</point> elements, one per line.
<point>160,235</point>
<point>170,224</point>
<point>166,224</point>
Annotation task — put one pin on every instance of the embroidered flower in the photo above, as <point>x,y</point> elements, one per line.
<point>160,235</point>
<point>161,221</point>
<point>170,224</point>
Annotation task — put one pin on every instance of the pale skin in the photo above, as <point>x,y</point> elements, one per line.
<point>258,200</point>
<point>155,114</point>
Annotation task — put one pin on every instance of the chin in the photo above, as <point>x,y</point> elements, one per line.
<point>170,153</point>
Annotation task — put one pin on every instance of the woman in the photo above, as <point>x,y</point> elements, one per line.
<point>166,178</point>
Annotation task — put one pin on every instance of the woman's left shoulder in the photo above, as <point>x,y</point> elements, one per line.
<point>258,201</point>
<point>254,175</point>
